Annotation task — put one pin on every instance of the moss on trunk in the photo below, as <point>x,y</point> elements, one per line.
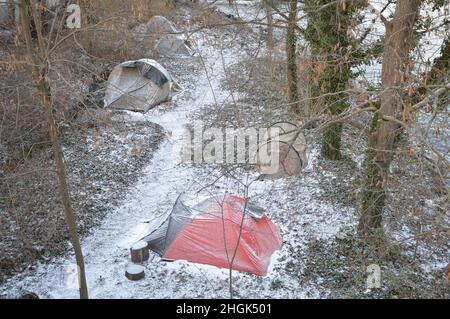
<point>332,50</point>
<point>331,141</point>
<point>291,52</point>
<point>385,134</point>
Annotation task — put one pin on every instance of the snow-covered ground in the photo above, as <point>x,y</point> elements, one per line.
<point>295,204</point>
<point>106,249</point>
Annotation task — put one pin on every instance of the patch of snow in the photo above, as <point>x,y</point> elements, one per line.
<point>135,269</point>
<point>139,245</point>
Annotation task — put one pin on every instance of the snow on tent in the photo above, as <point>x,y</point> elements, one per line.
<point>214,231</point>
<point>169,40</point>
<point>138,86</point>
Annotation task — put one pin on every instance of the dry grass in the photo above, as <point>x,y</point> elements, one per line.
<point>31,220</point>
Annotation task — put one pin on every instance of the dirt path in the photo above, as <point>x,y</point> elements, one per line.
<point>294,204</point>
<point>106,249</point>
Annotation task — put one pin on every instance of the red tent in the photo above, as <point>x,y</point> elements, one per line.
<point>223,233</point>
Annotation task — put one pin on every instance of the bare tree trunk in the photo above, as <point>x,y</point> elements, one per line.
<point>382,141</point>
<point>87,36</point>
<point>270,40</point>
<point>291,52</point>
<point>40,70</point>
<point>333,51</point>
<point>11,11</point>
<point>437,75</point>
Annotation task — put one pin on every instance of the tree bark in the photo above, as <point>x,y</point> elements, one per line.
<point>40,70</point>
<point>438,75</point>
<point>291,52</point>
<point>87,36</point>
<point>382,140</point>
<point>270,40</point>
<point>139,252</point>
<point>11,11</point>
<point>334,53</point>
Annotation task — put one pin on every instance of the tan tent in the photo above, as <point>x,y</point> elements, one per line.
<point>291,152</point>
<point>138,86</point>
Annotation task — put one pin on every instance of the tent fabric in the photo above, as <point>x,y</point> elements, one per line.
<point>169,40</point>
<point>162,236</point>
<point>142,64</point>
<point>152,70</point>
<point>138,85</point>
<point>292,150</point>
<point>210,233</point>
<point>162,25</point>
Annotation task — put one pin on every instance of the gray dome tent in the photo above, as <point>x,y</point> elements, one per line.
<point>138,86</point>
<point>169,41</point>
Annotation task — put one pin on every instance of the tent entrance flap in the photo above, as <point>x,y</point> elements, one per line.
<point>151,72</point>
<point>156,76</point>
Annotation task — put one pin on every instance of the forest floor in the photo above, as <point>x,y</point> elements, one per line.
<point>317,212</point>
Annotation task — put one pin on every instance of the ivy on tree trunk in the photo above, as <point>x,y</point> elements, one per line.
<point>332,49</point>
<point>291,52</point>
<point>385,131</point>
